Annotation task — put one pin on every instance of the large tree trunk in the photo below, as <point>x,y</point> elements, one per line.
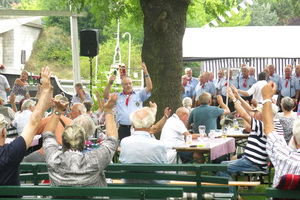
<point>164,26</point>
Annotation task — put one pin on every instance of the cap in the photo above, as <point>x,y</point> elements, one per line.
<point>259,108</point>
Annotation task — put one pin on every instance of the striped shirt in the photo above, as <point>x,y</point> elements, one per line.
<point>285,159</point>
<point>255,150</point>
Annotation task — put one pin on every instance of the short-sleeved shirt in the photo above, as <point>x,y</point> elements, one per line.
<point>188,91</point>
<point>135,102</point>
<point>205,115</point>
<point>276,79</point>
<point>240,80</point>
<point>289,87</point>
<point>73,168</point>
<point>3,86</point>
<point>172,132</point>
<point>255,150</point>
<point>76,99</point>
<point>173,135</point>
<point>10,157</point>
<point>193,81</point>
<point>223,85</point>
<point>199,89</point>
<point>255,90</point>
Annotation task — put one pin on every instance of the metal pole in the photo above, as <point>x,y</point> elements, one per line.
<point>129,49</point>
<point>91,76</point>
<point>75,49</point>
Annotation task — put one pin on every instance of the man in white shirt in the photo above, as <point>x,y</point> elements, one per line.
<point>173,134</point>
<point>22,119</point>
<point>256,88</point>
<point>140,147</point>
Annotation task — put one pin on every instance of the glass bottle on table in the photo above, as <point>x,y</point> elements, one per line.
<point>235,124</point>
<point>202,133</point>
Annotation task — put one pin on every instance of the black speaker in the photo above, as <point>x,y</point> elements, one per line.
<point>89,43</point>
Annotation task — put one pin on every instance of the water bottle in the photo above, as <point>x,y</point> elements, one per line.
<point>235,124</point>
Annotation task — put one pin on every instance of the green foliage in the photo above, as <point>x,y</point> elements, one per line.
<point>262,15</point>
<point>53,49</point>
<point>201,13</point>
<point>8,3</point>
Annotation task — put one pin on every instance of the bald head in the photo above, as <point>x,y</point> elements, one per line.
<point>143,118</point>
<point>183,114</point>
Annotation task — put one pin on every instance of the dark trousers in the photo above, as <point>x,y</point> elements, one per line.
<point>124,131</point>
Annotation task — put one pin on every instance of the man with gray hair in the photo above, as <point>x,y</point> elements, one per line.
<point>22,119</point>
<point>205,114</point>
<point>76,110</point>
<point>140,147</point>
<point>191,80</point>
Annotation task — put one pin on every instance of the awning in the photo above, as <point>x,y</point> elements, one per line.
<point>241,42</point>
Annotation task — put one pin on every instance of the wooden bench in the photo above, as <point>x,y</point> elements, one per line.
<point>47,192</point>
<point>200,174</point>
<point>280,193</point>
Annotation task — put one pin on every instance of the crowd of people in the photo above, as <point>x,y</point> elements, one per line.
<point>131,126</point>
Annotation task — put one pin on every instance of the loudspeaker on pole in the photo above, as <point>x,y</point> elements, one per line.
<point>89,45</point>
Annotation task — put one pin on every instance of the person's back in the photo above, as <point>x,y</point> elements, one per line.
<point>10,157</point>
<point>140,147</point>
<point>74,168</point>
<point>69,166</point>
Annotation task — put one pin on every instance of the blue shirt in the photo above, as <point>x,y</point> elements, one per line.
<point>239,83</point>
<point>199,90</point>
<point>212,88</point>
<point>290,89</point>
<point>276,79</point>
<point>188,91</point>
<point>194,81</point>
<point>135,102</point>
<point>205,115</point>
<point>140,147</point>
<point>223,86</point>
<point>76,99</point>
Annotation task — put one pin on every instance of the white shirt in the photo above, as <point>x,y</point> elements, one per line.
<point>140,147</point>
<point>172,135</point>
<point>21,120</point>
<point>255,90</point>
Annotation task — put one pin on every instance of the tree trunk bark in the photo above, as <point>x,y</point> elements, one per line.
<point>164,26</point>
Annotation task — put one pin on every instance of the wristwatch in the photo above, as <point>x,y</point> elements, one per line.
<point>57,112</point>
<point>266,100</point>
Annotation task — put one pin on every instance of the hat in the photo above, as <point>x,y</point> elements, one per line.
<point>259,108</point>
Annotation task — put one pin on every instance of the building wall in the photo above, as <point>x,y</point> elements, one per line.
<point>8,49</point>
<point>13,42</point>
<point>24,37</point>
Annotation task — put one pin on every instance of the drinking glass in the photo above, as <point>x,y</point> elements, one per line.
<point>201,129</point>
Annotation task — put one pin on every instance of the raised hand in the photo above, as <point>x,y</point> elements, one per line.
<point>109,105</point>
<point>144,67</point>
<point>45,76</point>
